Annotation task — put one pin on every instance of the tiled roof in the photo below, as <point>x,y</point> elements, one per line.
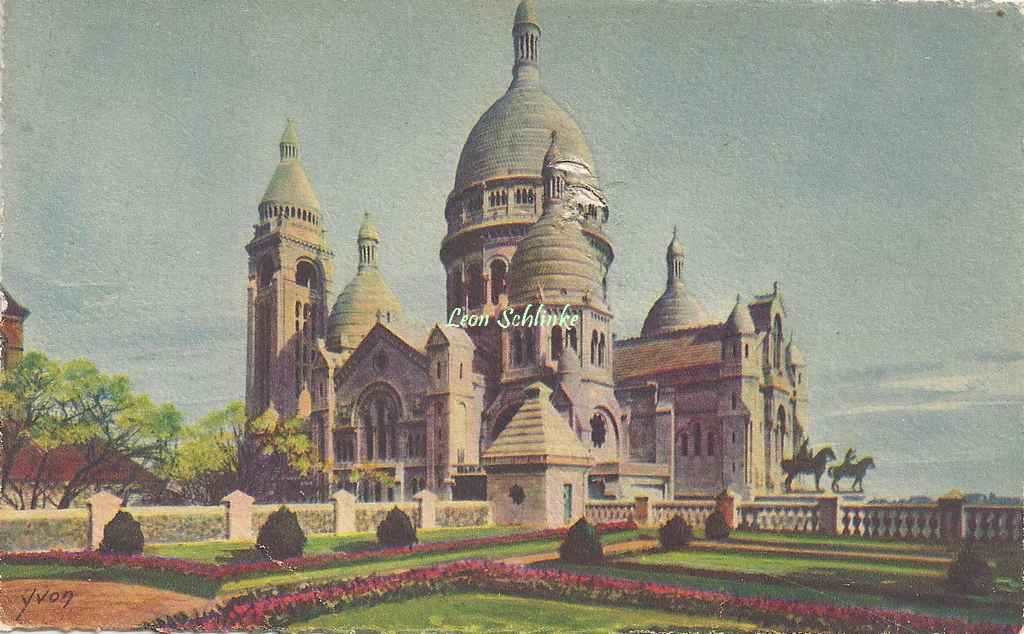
<point>64,462</point>
<point>537,433</point>
<point>678,350</point>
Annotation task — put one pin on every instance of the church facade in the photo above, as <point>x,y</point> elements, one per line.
<point>689,407</point>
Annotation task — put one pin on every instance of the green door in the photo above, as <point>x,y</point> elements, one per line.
<point>567,504</point>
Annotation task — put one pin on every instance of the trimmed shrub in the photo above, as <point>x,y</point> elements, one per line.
<point>715,526</point>
<point>281,537</point>
<point>581,545</point>
<point>675,534</point>
<point>970,573</point>
<point>122,535</point>
<point>396,529</point>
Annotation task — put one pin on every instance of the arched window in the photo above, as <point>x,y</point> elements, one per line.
<point>378,413</point>
<point>570,336</point>
<point>781,430</point>
<point>517,347</point>
<point>528,345</point>
<point>439,369</point>
<point>711,444</point>
<point>476,285</point>
<point>498,271</point>
<point>457,293</point>
<point>777,341</point>
<point>593,348</point>
<point>556,343</point>
<point>266,272</point>
<point>734,399</point>
<point>684,444</point>
<point>504,197</point>
<point>519,196</point>
<point>696,440</point>
<point>746,350</point>
<point>600,350</point>
<point>598,430</point>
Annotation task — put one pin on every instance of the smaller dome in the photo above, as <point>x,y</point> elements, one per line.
<point>740,322</point>
<point>794,357</point>
<point>290,186</point>
<point>366,300</point>
<point>568,362</point>
<point>526,13</point>
<point>367,231</point>
<point>554,264</point>
<point>676,309</point>
<point>290,135</point>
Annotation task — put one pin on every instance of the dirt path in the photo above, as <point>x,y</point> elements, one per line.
<point>87,605</point>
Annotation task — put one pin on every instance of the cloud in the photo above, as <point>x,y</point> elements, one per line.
<point>947,384</point>
<point>1000,356</point>
<point>932,406</point>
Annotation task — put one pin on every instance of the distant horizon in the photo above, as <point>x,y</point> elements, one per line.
<point>856,154</point>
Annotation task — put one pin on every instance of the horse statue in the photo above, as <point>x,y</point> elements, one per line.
<point>804,462</point>
<point>851,468</point>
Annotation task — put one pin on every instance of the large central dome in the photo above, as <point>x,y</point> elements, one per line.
<point>511,137</point>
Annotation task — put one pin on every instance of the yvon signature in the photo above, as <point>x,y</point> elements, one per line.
<point>39,596</point>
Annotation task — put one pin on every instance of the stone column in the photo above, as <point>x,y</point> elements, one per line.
<point>951,517</point>
<point>427,502</point>
<point>641,511</point>
<point>238,516</point>
<point>828,515</point>
<point>344,512</point>
<point>102,508</point>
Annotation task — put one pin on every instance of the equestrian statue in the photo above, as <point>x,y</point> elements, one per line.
<point>804,462</point>
<point>850,467</point>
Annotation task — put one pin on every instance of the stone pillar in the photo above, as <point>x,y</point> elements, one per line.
<point>238,516</point>
<point>642,510</point>
<point>726,503</point>
<point>951,517</point>
<point>344,512</point>
<point>427,502</point>
<point>828,515</point>
<point>102,508</point>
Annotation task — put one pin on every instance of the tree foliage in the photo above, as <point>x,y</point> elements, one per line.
<point>45,406</point>
<point>225,450</point>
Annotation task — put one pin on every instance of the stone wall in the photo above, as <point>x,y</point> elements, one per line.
<point>44,529</point>
<point>173,524</point>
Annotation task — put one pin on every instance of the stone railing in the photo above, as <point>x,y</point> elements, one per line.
<point>694,512</point>
<point>795,517</point>
<point>993,523</point>
<point>237,519</point>
<point>602,511</point>
<point>917,522</point>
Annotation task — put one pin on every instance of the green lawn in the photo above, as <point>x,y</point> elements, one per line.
<point>222,552</point>
<point>491,613</point>
<point>365,568</point>
<point>836,543</point>
<point>792,590</point>
<point>778,565</point>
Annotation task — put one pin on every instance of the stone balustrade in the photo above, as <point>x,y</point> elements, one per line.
<point>603,511</point>
<point>794,517</point>
<point>694,512</point>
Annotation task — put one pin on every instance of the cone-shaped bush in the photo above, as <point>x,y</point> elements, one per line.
<point>675,534</point>
<point>581,545</point>
<point>396,529</point>
<point>281,537</point>
<point>715,526</point>
<point>122,535</point>
<point>970,573</point>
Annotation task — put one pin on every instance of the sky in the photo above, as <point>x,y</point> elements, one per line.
<point>867,156</point>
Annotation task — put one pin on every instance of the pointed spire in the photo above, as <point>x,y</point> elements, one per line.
<point>674,257</point>
<point>740,322</point>
<point>367,241</point>
<point>289,143</point>
<point>526,41</point>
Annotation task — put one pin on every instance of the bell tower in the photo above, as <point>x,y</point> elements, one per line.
<point>290,273</point>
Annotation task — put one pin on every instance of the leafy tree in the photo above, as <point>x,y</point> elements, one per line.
<point>45,406</point>
<point>225,450</point>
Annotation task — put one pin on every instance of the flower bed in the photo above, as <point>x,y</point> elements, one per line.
<point>262,611</point>
<point>225,572</point>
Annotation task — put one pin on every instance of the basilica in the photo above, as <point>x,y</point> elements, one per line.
<point>560,408</point>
